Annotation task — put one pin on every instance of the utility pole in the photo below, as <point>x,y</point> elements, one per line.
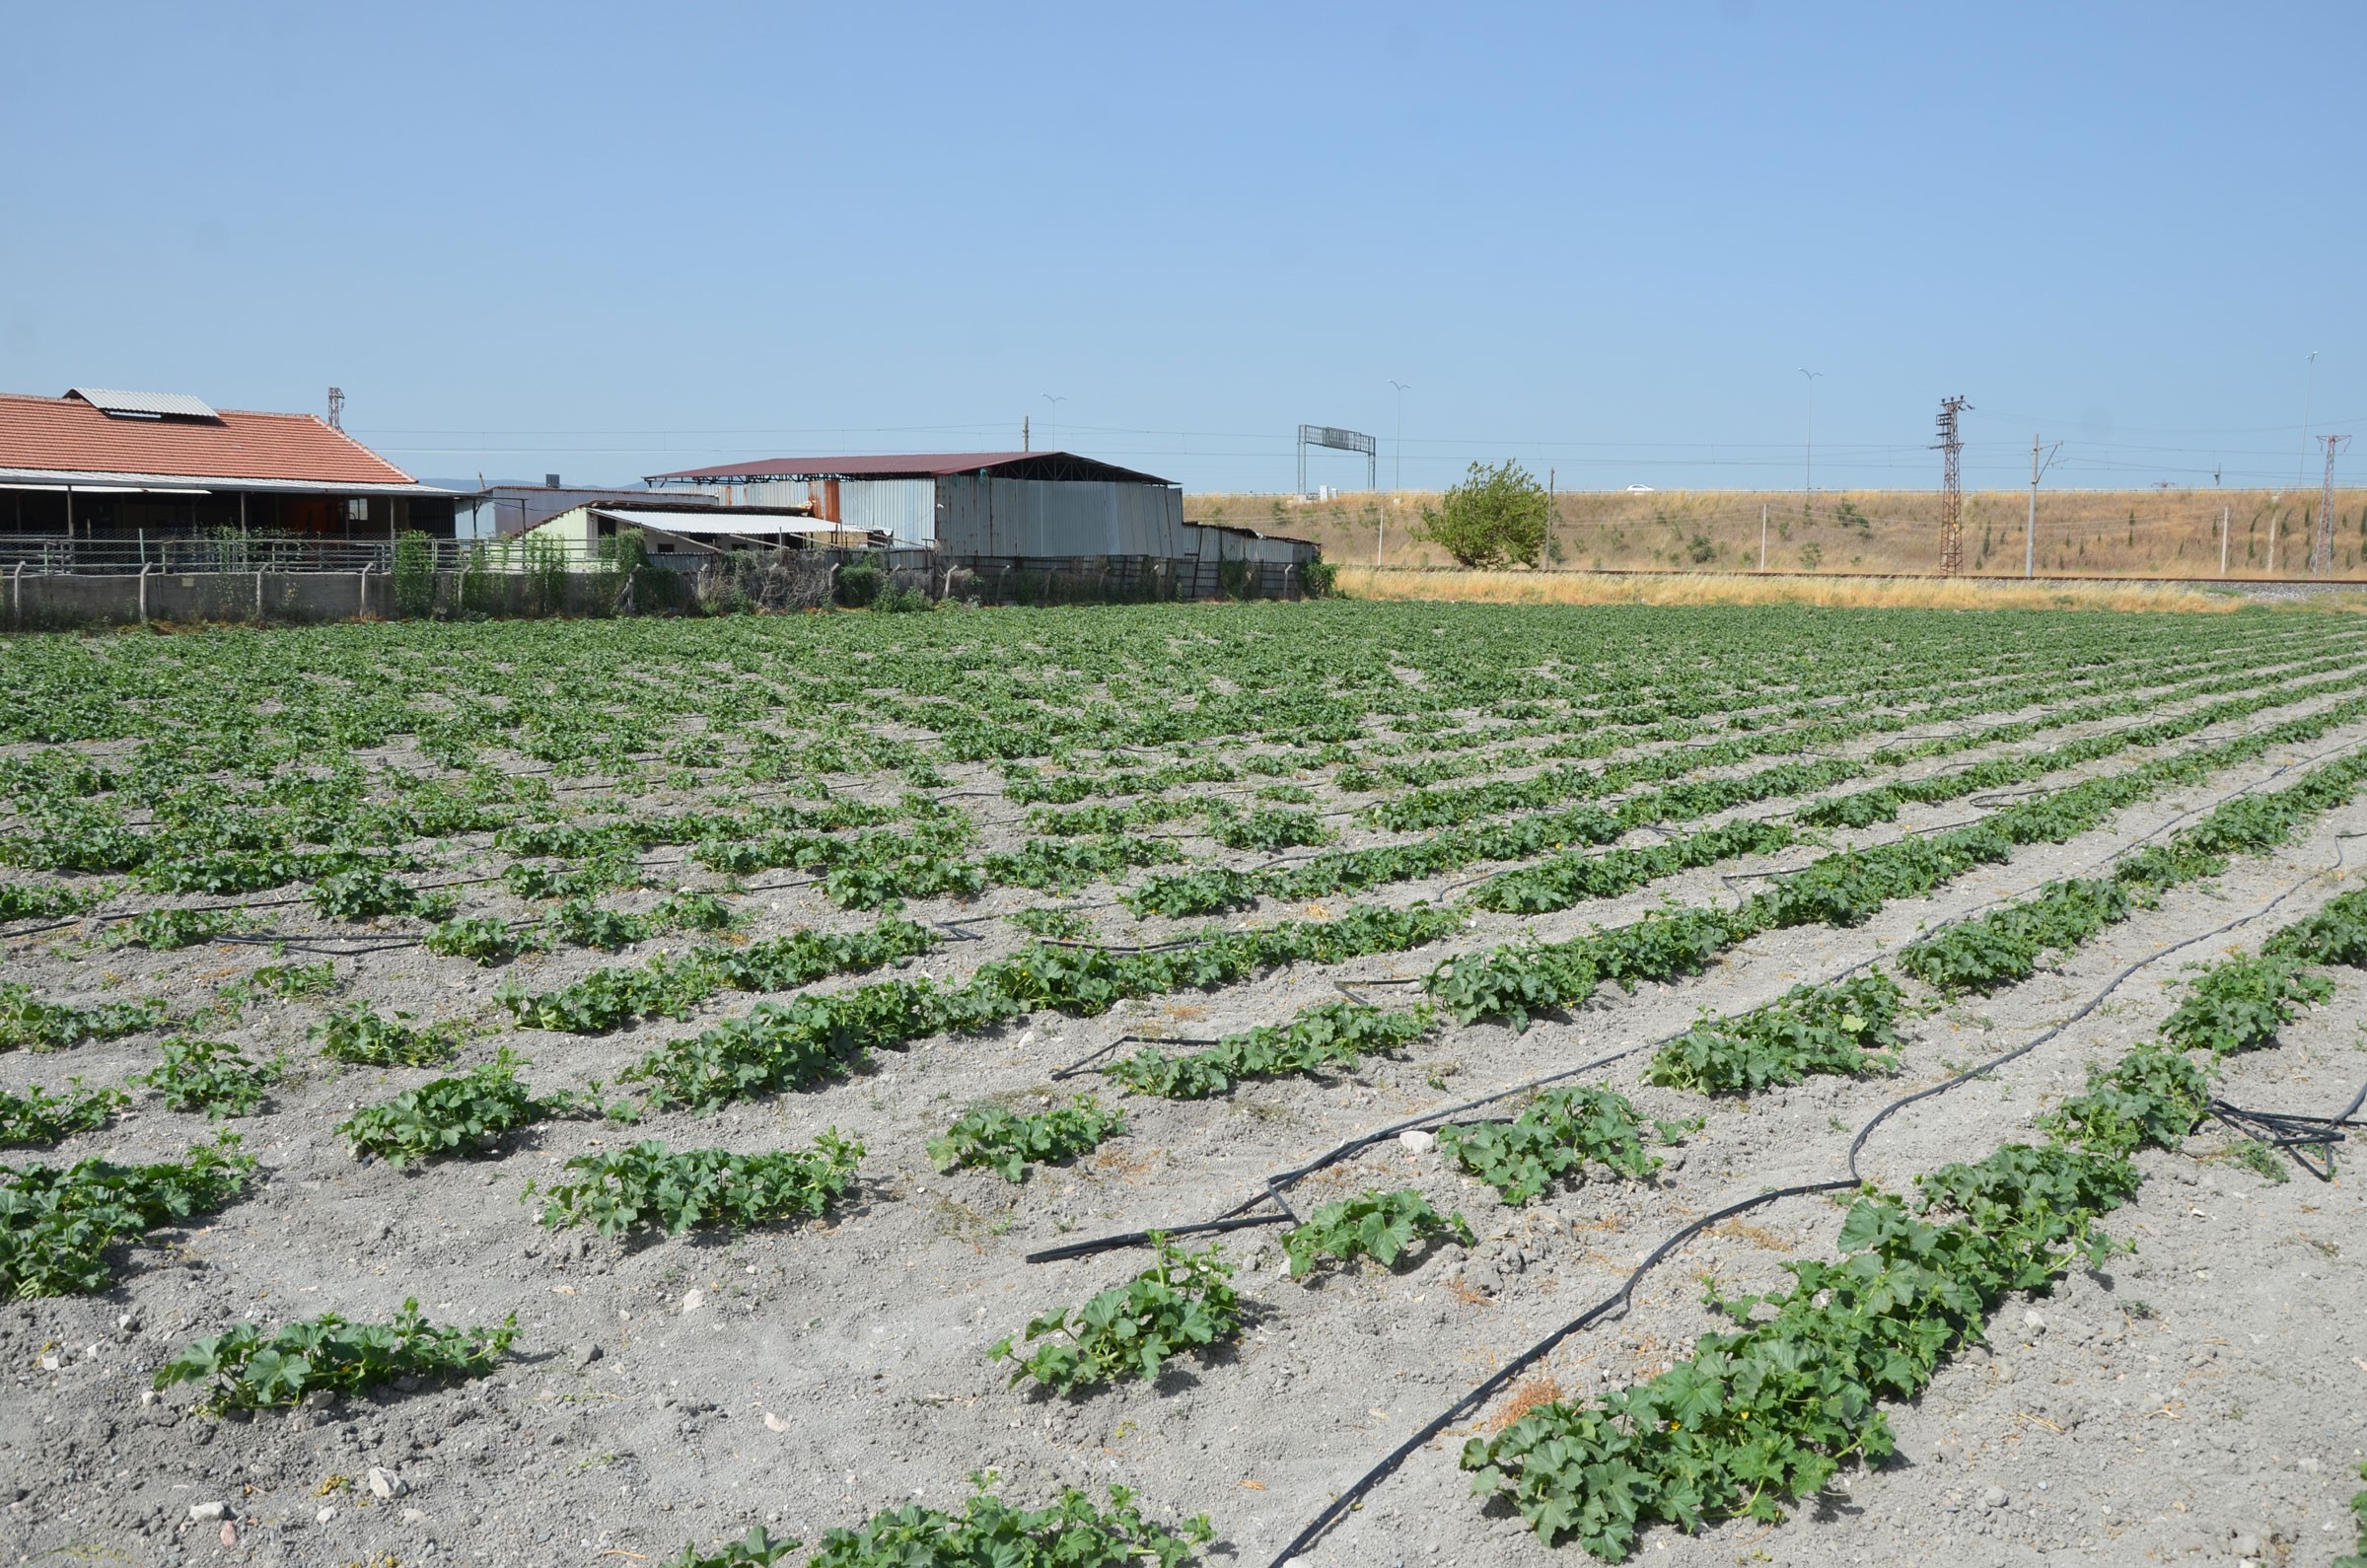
<point>1952,487</point>
<point>1397,483</point>
<point>2322,548</point>
<point>2223,511</point>
<point>2029,530</point>
<point>1553,514</point>
<point>336,408</point>
<point>1807,480</point>
<point>1024,445</point>
<point>1763,535</point>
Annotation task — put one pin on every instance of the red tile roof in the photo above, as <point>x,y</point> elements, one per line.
<point>68,435</point>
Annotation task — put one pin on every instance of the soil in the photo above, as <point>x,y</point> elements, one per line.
<point>2194,1400</point>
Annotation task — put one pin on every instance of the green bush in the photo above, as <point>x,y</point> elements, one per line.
<point>414,576</point>
<point>1495,517</point>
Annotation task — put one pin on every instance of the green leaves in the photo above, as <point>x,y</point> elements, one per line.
<point>37,1118</point>
<point>2241,1004</point>
<point>1324,1038</point>
<point>1072,1533</point>
<point>1184,1301</point>
<point>26,1023</point>
<point>212,1076</point>
<point>648,1186</point>
<point>1845,1029</point>
<point>1560,1131</point>
<point>997,1138</point>
<point>1377,1225</point>
<point>360,1034</point>
<point>246,1369</point>
<point>460,1117</point>
<point>56,1225</point>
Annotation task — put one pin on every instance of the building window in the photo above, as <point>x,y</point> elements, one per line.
<point>357,509</point>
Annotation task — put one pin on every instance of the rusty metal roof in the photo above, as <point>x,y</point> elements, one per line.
<point>913,465</point>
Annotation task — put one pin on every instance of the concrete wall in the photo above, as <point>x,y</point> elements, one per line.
<point>32,602</point>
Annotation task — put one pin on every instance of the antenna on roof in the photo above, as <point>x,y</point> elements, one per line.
<point>336,408</point>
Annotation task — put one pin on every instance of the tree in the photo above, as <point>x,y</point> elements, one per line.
<point>1497,515</point>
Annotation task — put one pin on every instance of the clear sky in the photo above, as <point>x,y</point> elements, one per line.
<point>607,240</point>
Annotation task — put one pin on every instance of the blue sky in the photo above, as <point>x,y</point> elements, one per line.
<point>607,240</point>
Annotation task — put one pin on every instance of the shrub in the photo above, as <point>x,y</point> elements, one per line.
<point>1496,515</point>
<point>995,1137</point>
<point>246,1369</point>
<point>1184,1301</point>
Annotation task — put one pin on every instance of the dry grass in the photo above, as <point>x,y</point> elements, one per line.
<point>2080,533</point>
<point>1527,1394</point>
<point>1707,588</point>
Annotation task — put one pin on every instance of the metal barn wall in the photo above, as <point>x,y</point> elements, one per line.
<point>1056,518</point>
<point>903,509</point>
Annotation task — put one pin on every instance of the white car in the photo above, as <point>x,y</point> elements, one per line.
<point>1639,489</point>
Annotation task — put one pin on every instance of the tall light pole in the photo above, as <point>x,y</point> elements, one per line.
<point>1808,483</point>
<point>2301,470</point>
<point>1050,442</point>
<point>1399,483</point>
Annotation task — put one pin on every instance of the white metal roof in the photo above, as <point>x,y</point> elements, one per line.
<point>147,404</point>
<point>747,524</point>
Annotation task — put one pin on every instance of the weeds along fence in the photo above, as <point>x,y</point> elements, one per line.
<point>49,583</point>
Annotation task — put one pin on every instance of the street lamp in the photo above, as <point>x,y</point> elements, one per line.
<point>1808,483</point>
<point>1050,441</point>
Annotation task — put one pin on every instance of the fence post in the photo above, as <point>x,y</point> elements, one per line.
<point>143,587</point>
<point>16,596</point>
<point>363,613</point>
<point>259,593</point>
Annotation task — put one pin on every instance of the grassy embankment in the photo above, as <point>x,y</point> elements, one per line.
<point>2080,533</point>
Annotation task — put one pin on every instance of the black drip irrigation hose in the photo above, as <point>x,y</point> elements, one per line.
<point>1618,1299</point>
<point>2310,1140</point>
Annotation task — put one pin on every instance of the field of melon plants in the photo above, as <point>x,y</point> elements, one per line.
<point>1330,1083</point>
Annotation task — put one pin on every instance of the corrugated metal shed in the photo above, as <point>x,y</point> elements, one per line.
<point>1051,466</point>
<point>905,510</point>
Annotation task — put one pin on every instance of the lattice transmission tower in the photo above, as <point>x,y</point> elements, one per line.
<point>2322,547</point>
<point>1952,487</point>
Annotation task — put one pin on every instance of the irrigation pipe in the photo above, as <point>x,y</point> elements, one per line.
<point>1621,1297</point>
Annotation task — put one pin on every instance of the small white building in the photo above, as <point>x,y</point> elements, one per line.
<point>699,528</point>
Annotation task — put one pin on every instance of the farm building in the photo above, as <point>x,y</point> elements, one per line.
<point>700,527</point>
<point>971,503</point>
<point>517,508</point>
<point>107,468</point>
<point>998,506</point>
